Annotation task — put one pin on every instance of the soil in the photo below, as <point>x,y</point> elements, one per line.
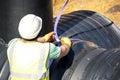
<point>108,8</point>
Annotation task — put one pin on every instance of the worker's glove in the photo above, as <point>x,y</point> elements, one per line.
<point>65,40</point>
<point>48,37</point>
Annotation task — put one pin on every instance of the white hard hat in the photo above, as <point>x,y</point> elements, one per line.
<point>30,26</point>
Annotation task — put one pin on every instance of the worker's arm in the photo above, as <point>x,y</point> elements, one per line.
<point>48,37</point>
<point>41,39</point>
<point>60,51</point>
<point>64,50</point>
<point>65,47</point>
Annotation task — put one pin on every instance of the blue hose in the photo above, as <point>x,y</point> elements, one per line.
<point>56,24</point>
<point>57,20</point>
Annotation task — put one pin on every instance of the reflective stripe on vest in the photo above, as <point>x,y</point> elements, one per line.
<point>35,68</point>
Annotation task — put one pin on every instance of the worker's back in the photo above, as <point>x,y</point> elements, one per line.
<point>27,58</point>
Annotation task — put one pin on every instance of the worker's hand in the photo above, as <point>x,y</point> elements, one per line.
<point>48,37</point>
<point>65,40</point>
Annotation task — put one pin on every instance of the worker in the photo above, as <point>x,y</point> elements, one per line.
<point>29,56</point>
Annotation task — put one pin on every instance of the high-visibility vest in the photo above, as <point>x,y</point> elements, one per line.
<point>28,60</point>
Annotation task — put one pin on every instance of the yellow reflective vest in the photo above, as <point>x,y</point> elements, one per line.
<point>27,60</point>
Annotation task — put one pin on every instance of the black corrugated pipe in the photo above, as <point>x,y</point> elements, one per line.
<point>11,11</point>
<point>4,66</point>
<point>87,63</point>
<point>83,62</point>
<point>91,26</point>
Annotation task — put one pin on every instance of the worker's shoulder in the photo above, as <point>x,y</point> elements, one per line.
<point>13,40</point>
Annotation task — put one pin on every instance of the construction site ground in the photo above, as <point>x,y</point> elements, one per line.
<point>108,8</point>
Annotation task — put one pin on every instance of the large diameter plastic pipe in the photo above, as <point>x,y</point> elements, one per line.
<point>90,26</point>
<point>82,62</point>
<point>13,10</point>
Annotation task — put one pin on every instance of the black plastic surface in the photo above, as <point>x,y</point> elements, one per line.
<point>91,26</point>
<point>88,65</point>
<point>11,11</point>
